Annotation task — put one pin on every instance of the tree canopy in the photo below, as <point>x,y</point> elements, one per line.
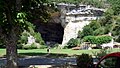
<point>15,16</point>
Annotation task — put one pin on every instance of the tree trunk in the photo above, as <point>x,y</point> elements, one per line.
<point>11,36</point>
<point>11,32</point>
<point>11,51</point>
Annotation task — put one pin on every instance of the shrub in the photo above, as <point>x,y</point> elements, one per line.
<point>103,39</point>
<point>99,31</point>
<point>26,47</point>
<point>84,61</point>
<point>38,39</point>
<point>39,43</point>
<point>23,39</point>
<point>97,39</point>
<point>32,46</point>
<point>87,30</point>
<point>95,25</point>
<point>80,34</point>
<point>72,43</point>
<point>56,46</point>
<point>90,39</point>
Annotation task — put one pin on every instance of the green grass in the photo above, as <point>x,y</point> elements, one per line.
<point>55,52</point>
<point>65,51</point>
<point>2,52</point>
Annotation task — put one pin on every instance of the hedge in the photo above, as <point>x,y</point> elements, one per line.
<point>97,39</point>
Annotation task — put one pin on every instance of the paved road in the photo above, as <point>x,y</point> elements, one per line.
<point>42,61</point>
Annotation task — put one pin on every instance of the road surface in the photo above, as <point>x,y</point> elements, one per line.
<point>42,61</point>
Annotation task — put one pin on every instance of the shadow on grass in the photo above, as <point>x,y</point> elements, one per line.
<point>51,55</point>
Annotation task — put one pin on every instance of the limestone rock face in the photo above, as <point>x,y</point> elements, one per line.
<point>71,30</point>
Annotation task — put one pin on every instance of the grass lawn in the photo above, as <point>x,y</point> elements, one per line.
<point>2,52</point>
<point>58,52</point>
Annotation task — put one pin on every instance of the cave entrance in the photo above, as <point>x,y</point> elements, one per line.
<point>51,32</point>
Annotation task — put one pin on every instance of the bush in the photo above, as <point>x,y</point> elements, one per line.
<point>56,46</point>
<point>38,39</point>
<point>80,34</point>
<point>99,31</point>
<point>26,47</point>
<point>103,39</point>
<point>90,39</point>
<point>32,46</point>
<point>94,25</point>
<point>87,30</point>
<point>72,43</point>
<point>97,39</point>
<point>84,61</point>
<point>23,41</point>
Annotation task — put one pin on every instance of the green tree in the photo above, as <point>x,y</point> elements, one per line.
<point>14,16</point>
<point>115,29</point>
<point>87,30</point>
<point>99,31</point>
<point>115,6</point>
<point>95,25</point>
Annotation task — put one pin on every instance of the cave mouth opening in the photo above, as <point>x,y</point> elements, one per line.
<point>52,33</point>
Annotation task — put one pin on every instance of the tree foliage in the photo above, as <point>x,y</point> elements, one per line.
<point>87,30</point>
<point>94,25</point>
<point>15,15</point>
<point>110,22</point>
<point>73,43</point>
<point>115,6</point>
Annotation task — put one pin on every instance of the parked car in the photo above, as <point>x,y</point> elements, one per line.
<point>109,61</point>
